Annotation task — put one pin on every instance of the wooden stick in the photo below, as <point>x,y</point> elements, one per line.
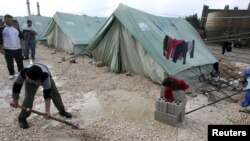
<point>50,117</point>
<point>244,111</point>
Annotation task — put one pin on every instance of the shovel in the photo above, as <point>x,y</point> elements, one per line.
<point>244,111</point>
<point>51,117</point>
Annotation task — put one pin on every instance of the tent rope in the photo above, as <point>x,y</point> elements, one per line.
<point>212,103</point>
<point>63,72</point>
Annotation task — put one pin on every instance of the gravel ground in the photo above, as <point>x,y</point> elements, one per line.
<point>108,106</point>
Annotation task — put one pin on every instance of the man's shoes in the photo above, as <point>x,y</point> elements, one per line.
<point>65,114</point>
<point>23,123</point>
<point>11,77</point>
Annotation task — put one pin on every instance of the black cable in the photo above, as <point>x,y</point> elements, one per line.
<point>212,103</point>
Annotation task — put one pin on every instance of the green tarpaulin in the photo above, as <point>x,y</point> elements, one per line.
<point>132,40</point>
<point>39,23</point>
<point>72,33</point>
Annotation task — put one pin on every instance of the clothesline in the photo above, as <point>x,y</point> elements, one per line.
<point>238,17</point>
<point>227,35</point>
<point>225,40</point>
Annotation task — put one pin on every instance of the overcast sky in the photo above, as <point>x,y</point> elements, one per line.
<point>104,8</point>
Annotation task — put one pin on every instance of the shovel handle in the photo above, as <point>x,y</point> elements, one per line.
<point>51,117</point>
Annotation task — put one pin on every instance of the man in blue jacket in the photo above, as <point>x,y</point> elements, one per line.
<point>246,85</point>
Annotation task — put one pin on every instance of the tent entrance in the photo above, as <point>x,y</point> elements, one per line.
<point>122,52</point>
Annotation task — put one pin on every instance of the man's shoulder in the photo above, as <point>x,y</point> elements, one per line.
<point>28,28</point>
<point>10,27</point>
<point>17,28</point>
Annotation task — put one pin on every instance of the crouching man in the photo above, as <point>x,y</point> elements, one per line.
<point>33,76</point>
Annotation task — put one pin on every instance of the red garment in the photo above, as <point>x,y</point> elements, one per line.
<point>183,84</point>
<point>168,94</point>
<point>172,43</point>
<point>168,90</point>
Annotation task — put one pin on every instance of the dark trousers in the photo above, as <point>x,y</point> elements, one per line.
<point>30,92</point>
<point>180,50</point>
<point>30,47</point>
<point>10,55</point>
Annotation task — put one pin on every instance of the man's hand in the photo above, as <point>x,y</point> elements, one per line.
<point>14,103</point>
<point>33,32</point>
<point>46,115</point>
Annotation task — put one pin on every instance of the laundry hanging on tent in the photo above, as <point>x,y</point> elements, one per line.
<point>177,49</point>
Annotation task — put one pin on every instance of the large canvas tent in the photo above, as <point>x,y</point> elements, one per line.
<point>132,40</point>
<point>72,33</point>
<point>40,24</point>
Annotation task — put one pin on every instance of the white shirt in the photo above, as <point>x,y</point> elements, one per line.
<point>248,84</point>
<point>29,28</point>
<point>11,38</point>
<point>28,36</point>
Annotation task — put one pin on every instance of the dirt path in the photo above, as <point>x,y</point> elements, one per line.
<point>108,106</point>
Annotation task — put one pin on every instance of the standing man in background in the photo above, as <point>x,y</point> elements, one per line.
<point>10,45</point>
<point>30,41</point>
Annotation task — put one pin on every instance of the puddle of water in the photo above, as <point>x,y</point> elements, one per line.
<point>4,93</point>
<point>127,106</point>
<point>5,98</point>
<point>90,106</point>
<point>4,103</point>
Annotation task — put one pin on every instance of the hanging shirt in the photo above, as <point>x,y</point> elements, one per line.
<point>169,46</point>
<point>190,45</point>
<point>177,49</point>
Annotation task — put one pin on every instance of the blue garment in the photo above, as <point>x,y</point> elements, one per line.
<point>245,83</point>
<point>246,73</point>
<point>246,101</point>
<point>30,46</point>
<point>180,51</point>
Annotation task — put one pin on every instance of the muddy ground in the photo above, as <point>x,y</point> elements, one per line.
<point>109,106</point>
